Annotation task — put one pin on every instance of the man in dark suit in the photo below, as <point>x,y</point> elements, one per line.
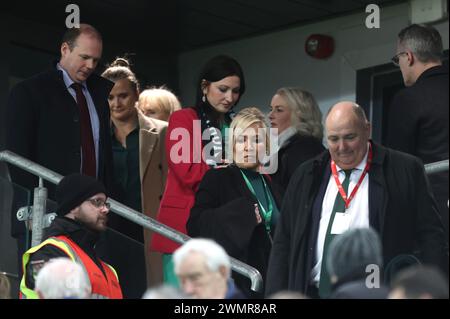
<point>418,115</point>
<point>356,183</point>
<point>60,118</point>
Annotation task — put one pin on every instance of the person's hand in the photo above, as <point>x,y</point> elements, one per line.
<point>258,215</point>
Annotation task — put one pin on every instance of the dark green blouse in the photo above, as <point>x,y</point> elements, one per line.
<point>126,169</point>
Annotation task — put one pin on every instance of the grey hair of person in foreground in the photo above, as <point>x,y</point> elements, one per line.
<point>62,278</point>
<point>164,292</point>
<point>214,254</point>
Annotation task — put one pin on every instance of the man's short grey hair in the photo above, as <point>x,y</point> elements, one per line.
<point>164,292</point>
<point>62,278</point>
<point>215,255</point>
<point>423,40</point>
<point>351,252</point>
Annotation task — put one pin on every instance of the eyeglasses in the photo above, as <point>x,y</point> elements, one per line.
<point>99,203</point>
<point>395,59</point>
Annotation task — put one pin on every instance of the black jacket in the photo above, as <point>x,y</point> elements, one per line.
<point>418,125</point>
<point>295,151</point>
<point>401,209</point>
<point>63,226</point>
<point>224,210</point>
<point>358,289</point>
<point>43,125</point>
<point>418,117</point>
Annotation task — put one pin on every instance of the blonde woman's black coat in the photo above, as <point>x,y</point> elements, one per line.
<point>224,210</point>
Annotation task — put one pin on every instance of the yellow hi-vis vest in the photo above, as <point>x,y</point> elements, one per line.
<point>102,288</point>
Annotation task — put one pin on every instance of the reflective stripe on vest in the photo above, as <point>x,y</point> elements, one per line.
<point>27,293</point>
<point>104,285</point>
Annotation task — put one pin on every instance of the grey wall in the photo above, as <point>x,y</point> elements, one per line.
<point>278,59</point>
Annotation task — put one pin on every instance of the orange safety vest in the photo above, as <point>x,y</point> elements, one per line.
<point>104,285</point>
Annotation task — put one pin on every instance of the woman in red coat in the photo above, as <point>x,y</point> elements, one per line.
<point>194,144</point>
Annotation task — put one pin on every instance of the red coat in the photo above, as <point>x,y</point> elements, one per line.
<point>183,178</point>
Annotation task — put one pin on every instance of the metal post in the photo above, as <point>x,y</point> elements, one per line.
<point>39,208</point>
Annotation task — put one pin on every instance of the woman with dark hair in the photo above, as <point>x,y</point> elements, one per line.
<point>219,87</point>
<point>296,115</point>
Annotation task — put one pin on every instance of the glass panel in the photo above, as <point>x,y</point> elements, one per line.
<point>13,237</point>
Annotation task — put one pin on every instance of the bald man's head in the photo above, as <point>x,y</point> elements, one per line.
<point>348,132</point>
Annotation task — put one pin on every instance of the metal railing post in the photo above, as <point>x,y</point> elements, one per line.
<point>39,208</point>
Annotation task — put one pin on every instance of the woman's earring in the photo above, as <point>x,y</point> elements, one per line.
<point>204,98</point>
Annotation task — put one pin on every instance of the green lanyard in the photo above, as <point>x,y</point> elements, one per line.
<point>267,214</point>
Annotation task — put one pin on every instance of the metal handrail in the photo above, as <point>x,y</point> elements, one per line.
<point>130,214</point>
<point>436,167</point>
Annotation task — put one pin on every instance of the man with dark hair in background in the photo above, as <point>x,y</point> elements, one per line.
<point>418,115</point>
<point>60,119</point>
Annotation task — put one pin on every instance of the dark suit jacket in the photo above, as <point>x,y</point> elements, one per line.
<point>401,209</point>
<point>43,125</point>
<point>224,210</point>
<point>418,125</point>
<point>297,150</point>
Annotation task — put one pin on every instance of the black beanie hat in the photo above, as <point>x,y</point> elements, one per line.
<point>74,189</point>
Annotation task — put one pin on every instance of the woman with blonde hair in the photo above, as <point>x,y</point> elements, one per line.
<point>158,103</point>
<point>295,114</point>
<point>235,205</point>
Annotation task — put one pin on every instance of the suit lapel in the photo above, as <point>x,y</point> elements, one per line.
<point>378,196</point>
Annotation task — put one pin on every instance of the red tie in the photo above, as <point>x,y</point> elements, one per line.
<point>87,141</point>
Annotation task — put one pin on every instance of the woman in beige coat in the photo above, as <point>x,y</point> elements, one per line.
<point>140,166</point>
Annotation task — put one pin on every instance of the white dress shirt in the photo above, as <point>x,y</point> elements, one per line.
<point>358,209</point>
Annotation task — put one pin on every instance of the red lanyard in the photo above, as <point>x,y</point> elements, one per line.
<point>339,185</point>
